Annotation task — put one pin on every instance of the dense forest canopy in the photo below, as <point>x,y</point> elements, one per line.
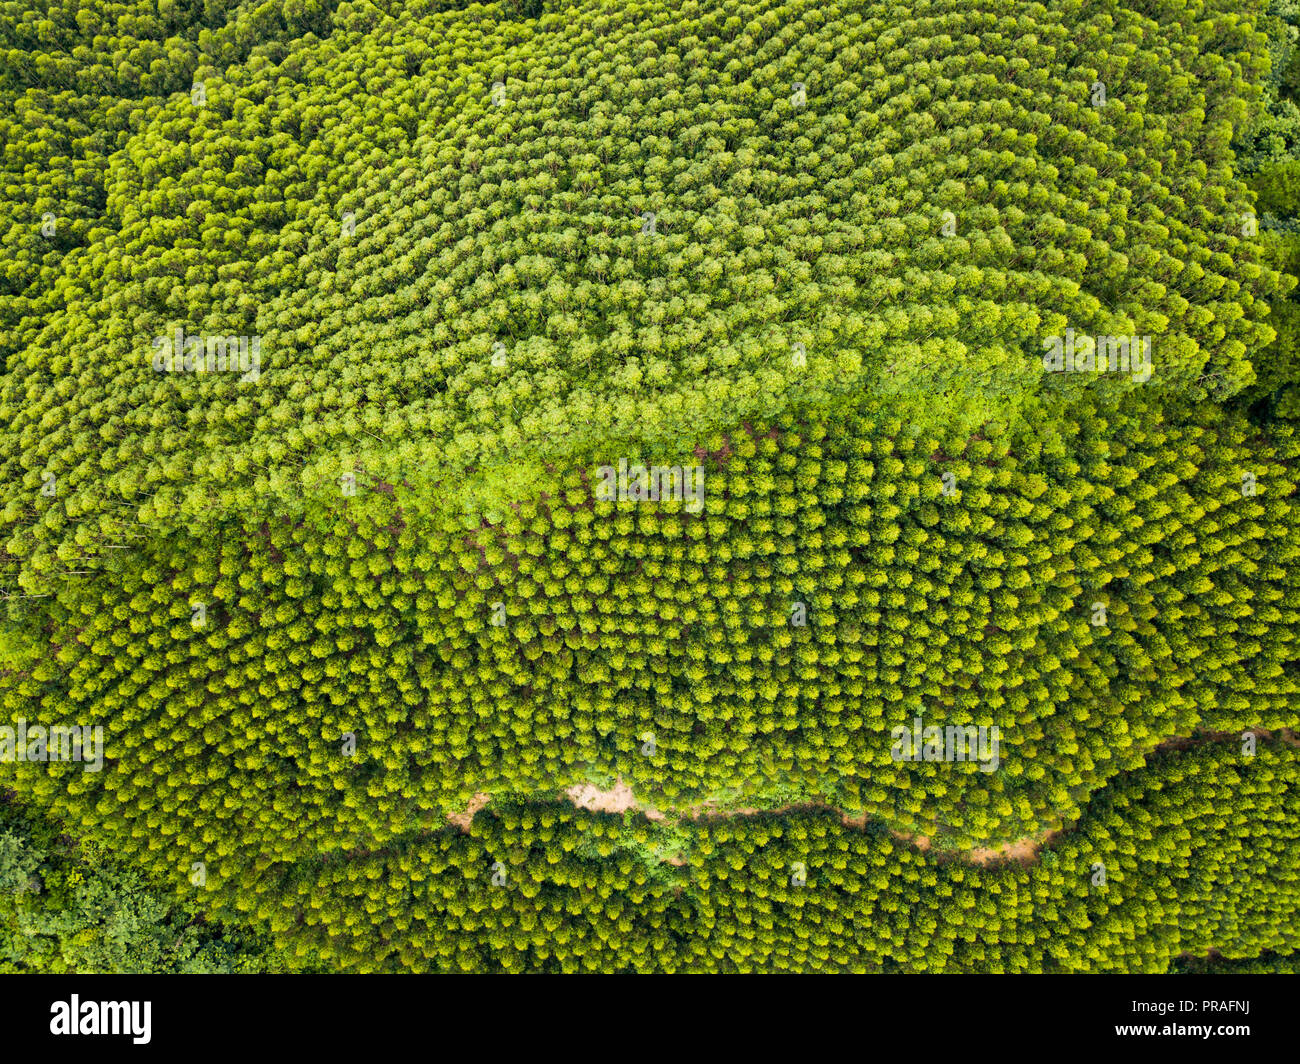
<point>319,323</point>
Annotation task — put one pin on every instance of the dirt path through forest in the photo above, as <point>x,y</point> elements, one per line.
<point>620,799</point>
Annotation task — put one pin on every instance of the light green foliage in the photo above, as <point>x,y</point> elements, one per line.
<point>521,223</point>
<point>488,248</point>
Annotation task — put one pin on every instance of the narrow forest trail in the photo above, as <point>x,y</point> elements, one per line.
<point>621,799</point>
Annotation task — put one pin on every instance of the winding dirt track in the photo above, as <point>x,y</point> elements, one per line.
<point>620,799</point>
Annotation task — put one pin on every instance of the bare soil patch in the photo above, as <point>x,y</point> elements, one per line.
<point>1021,851</point>
<point>618,799</point>
<point>463,820</point>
